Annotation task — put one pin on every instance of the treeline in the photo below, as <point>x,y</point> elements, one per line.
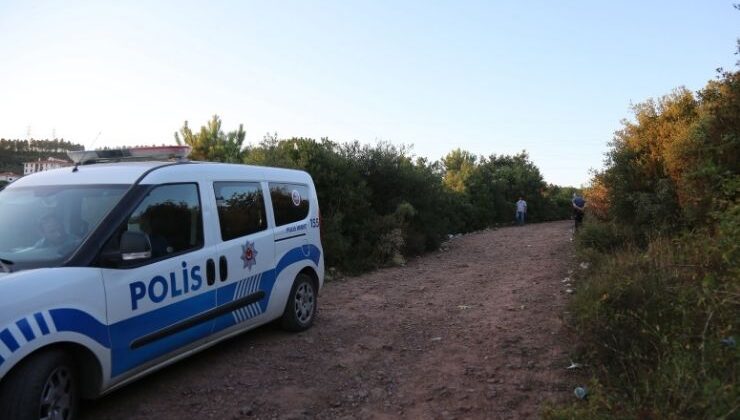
<point>658,310</point>
<point>379,204</point>
<point>13,153</point>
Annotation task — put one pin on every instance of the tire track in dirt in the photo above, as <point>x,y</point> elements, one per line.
<point>474,331</point>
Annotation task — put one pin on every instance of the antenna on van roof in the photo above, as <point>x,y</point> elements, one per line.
<point>81,159</point>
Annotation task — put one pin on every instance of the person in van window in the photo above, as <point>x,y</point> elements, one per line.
<point>53,234</point>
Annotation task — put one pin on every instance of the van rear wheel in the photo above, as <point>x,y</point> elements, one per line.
<point>43,387</point>
<point>300,310</point>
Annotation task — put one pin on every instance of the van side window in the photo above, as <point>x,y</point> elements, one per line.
<point>171,216</point>
<point>241,209</point>
<point>289,202</point>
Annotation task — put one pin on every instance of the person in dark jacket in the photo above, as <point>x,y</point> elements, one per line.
<point>579,209</point>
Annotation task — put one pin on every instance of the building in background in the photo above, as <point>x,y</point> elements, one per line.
<point>44,165</point>
<point>8,176</point>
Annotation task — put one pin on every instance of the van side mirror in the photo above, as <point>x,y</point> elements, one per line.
<point>135,246</point>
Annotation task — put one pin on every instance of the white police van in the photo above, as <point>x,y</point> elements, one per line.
<point>109,271</point>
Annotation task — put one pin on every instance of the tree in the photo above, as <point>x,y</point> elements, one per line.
<point>496,184</point>
<point>13,153</point>
<point>211,143</point>
<point>459,165</point>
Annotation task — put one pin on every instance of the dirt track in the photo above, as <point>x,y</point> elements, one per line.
<point>471,332</point>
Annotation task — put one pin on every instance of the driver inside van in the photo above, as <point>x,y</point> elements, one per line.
<point>53,234</point>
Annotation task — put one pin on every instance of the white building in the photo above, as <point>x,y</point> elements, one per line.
<point>8,176</point>
<point>44,165</point>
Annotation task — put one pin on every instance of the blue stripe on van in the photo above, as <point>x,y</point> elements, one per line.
<point>119,336</point>
<point>266,283</point>
<point>75,320</point>
<point>25,329</point>
<point>42,323</point>
<point>9,340</point>
<point>124,332</point>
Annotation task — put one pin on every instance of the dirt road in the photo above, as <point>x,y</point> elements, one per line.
<point>473,331</point>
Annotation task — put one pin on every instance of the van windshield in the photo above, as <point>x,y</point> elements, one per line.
<point>42,226</point>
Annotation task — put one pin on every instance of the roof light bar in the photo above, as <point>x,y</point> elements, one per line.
<point>134,153</point>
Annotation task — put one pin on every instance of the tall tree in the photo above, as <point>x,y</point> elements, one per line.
<point>211,143</point>
<point>459,165</point>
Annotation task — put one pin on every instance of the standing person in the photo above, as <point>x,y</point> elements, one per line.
<point>579,209</point>
<point>521,211</point>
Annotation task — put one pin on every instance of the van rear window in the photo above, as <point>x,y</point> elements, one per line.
<point>241,210</point>
<point>289,202</point>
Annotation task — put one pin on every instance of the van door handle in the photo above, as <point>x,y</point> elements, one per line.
<point>223,268</point>
<point>210,272</point>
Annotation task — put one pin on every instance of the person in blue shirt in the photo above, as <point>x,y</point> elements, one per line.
<point>521,211</point>
<point>579,209</point>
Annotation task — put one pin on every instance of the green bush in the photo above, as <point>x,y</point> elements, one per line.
<point>657,309</point>
<point>604,236</point>
<point>652,321</point>
<point>558,202</point>
<point>380,206</point>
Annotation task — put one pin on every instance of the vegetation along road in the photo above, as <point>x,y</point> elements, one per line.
<point>471,331</point>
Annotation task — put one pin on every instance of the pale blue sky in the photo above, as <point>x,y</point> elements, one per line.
<point>554,78</point>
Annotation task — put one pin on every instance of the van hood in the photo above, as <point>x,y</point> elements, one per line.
<point>7,276</point>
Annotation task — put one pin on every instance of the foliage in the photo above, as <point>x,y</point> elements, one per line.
<point>499,181</point>
<point>13,153</point>
<point>676,164</point>
<point>496,182</point>
<point>459,165</point>
<point>558,202</point>
<point>211,143</point>
<point>380,205</point>
<point>657,307</point>
<point>597,197</point>
<point>606,236</point>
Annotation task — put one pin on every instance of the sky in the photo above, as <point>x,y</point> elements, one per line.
<point>491,77</point>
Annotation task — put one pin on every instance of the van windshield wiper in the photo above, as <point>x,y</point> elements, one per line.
<point>5,265</point>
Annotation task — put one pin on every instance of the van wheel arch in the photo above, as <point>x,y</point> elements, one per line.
<point>309,271</point>
<point>302,303</point>
<point>89,370</point>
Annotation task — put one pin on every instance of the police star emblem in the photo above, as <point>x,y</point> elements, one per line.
<point>249,255</point>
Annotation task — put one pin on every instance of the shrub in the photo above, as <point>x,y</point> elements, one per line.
<point>603,236</point>
<point>379,205</point>
<point>657,311</point>
<point>652,323</point>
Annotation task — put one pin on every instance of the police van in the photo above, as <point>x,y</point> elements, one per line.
<point>121,265</point>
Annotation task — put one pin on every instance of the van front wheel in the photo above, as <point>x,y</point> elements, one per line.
<point>302,303</point>
<point>43,387</point>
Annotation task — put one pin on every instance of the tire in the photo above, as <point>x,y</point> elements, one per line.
<point>300,310</point>
<point>45,386</point>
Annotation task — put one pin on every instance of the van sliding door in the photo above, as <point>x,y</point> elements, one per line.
<point>245,255</point>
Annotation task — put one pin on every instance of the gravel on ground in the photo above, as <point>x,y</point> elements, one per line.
<point>474,330</point>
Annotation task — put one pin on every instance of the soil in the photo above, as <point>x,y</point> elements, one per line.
<point>474,330</point>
